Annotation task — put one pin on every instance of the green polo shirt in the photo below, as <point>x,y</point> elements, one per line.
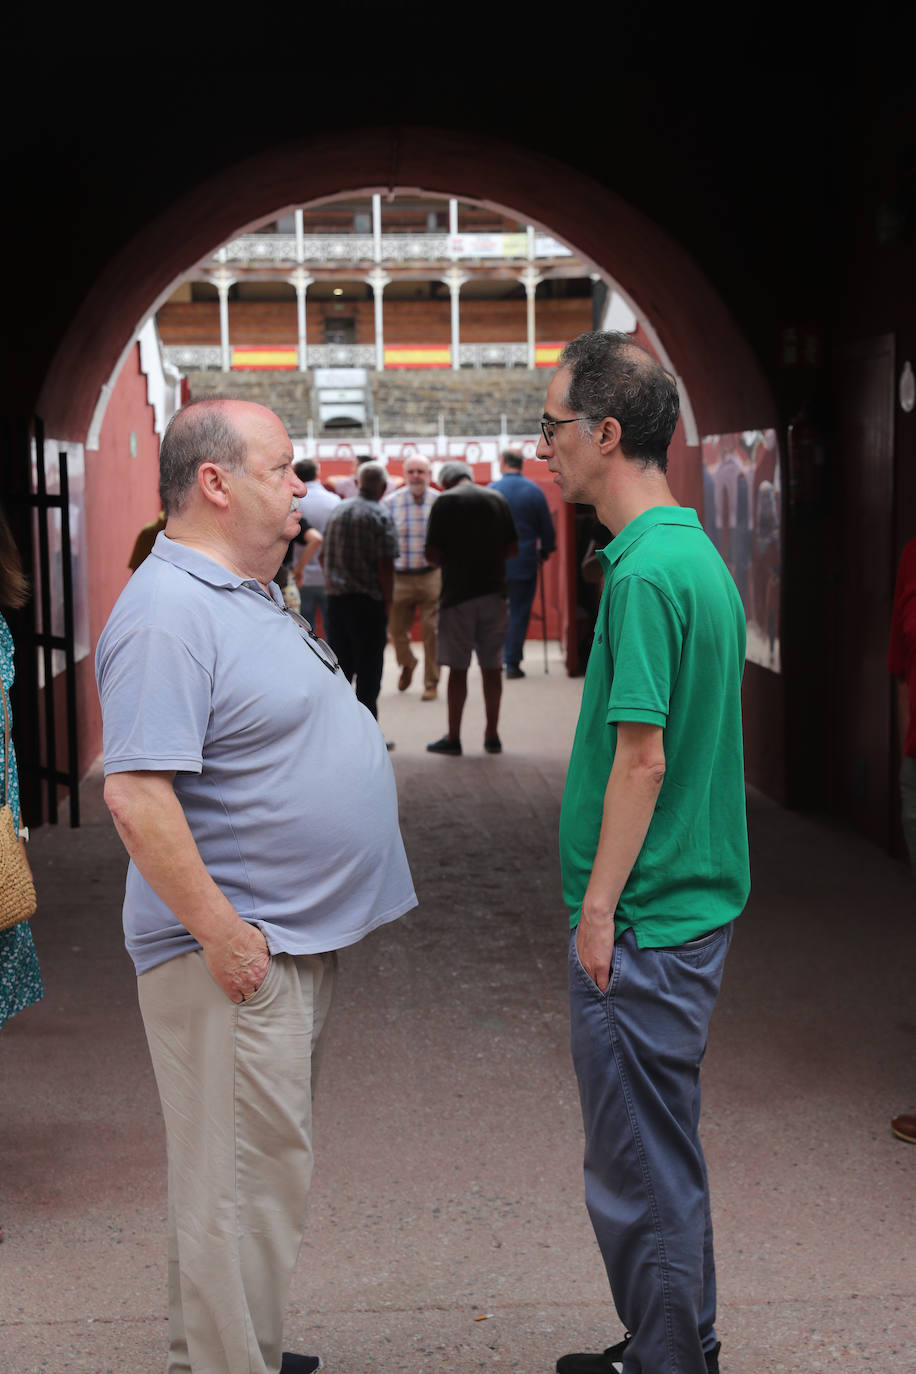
<point>668,650</point>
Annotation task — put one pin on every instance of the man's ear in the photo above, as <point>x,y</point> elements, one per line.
<point>211,479</point>
<point>609,434</point>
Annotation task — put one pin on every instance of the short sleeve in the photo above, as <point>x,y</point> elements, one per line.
<point>156,700</point>
<point>645,638</point>
<point>435,525</point>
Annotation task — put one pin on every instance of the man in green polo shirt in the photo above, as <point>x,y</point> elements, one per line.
<point>653,849</point>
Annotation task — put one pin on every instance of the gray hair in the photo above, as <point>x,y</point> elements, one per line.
<point>372,477</point>
<point>611,375</point>
<point>450,474</point>
<point>200,432</point>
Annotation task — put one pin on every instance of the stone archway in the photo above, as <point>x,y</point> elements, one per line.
<point>690,323</point>
<point>690,320</point>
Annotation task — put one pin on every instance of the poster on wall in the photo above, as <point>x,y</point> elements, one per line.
<point>742,513</point>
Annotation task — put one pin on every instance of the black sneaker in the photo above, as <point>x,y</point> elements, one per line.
<point>515,672</point>
<point>445,745</point>
<point>299,1364</point>
<point>493,745</point>
<point>612,1360</point>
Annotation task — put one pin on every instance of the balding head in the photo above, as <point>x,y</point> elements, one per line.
<point>204,431</point>
<point>417,473</point>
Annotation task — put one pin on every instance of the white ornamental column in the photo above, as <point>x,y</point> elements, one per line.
<point>222,279</point>
<point>455,279</point>
<point>377,227</point>
<point>378,281</point>
<point>301,281</point>
<point>530,280</point>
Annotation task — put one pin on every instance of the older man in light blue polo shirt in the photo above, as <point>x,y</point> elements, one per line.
<point>214,696</point>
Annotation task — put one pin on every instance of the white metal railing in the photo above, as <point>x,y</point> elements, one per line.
<point>327,249</point>
<point>195,357</point>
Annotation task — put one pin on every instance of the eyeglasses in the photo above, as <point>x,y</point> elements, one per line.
<point>548,427</point>
<point>323,651</point>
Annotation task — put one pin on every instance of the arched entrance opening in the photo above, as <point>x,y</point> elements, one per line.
<point>686,321</point>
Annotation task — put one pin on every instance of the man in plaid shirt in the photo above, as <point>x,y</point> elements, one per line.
<point>358,553</point>
<point>416,582</point>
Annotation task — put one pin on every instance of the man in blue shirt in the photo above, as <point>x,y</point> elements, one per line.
<point>536,542</point>
<point>217,703</point>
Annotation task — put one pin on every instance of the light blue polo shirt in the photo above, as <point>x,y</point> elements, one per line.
<point>282,774</point>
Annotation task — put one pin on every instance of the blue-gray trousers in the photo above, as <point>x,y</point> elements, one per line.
<point>637,1051</point>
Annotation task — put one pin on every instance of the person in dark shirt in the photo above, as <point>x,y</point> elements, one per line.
<point>470,535</point>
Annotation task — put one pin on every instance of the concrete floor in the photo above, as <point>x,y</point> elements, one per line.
<point>447,1228</point>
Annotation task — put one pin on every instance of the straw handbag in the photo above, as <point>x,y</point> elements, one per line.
<point>17,891</point>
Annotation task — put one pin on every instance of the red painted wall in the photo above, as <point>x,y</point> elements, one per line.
<point>121,495</point>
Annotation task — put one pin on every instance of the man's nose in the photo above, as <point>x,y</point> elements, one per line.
<point>542,450</point>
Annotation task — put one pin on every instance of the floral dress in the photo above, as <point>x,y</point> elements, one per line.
<point>20,977</point>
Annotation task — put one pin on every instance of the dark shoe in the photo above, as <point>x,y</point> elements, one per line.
<point>493,745</point>
<point>406,677</point>
<point>445,745</point>
<point>299,1364</point>
<point>515,672</point>
<point>904,1128</point>
<point>610,1361</point>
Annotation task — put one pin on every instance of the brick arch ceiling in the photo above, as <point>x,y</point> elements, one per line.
<point>724,381</point>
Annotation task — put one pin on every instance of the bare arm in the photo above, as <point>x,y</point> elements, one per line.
<point>148,817</point>
<point>629,803</point>
<point>313,542</point>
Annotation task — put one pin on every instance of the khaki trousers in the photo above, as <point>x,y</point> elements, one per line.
<point>412,592</point>
<point>236,1085</point>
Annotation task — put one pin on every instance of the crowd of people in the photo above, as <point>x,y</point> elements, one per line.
<point>375,555</point>
<point>235,935</point>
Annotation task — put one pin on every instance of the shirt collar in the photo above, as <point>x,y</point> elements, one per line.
<point>205,569</point>
<point>656,515</point>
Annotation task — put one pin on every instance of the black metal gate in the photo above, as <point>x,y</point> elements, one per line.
<point>44,704</point>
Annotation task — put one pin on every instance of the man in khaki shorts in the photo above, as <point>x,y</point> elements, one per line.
<point>470,535</point>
